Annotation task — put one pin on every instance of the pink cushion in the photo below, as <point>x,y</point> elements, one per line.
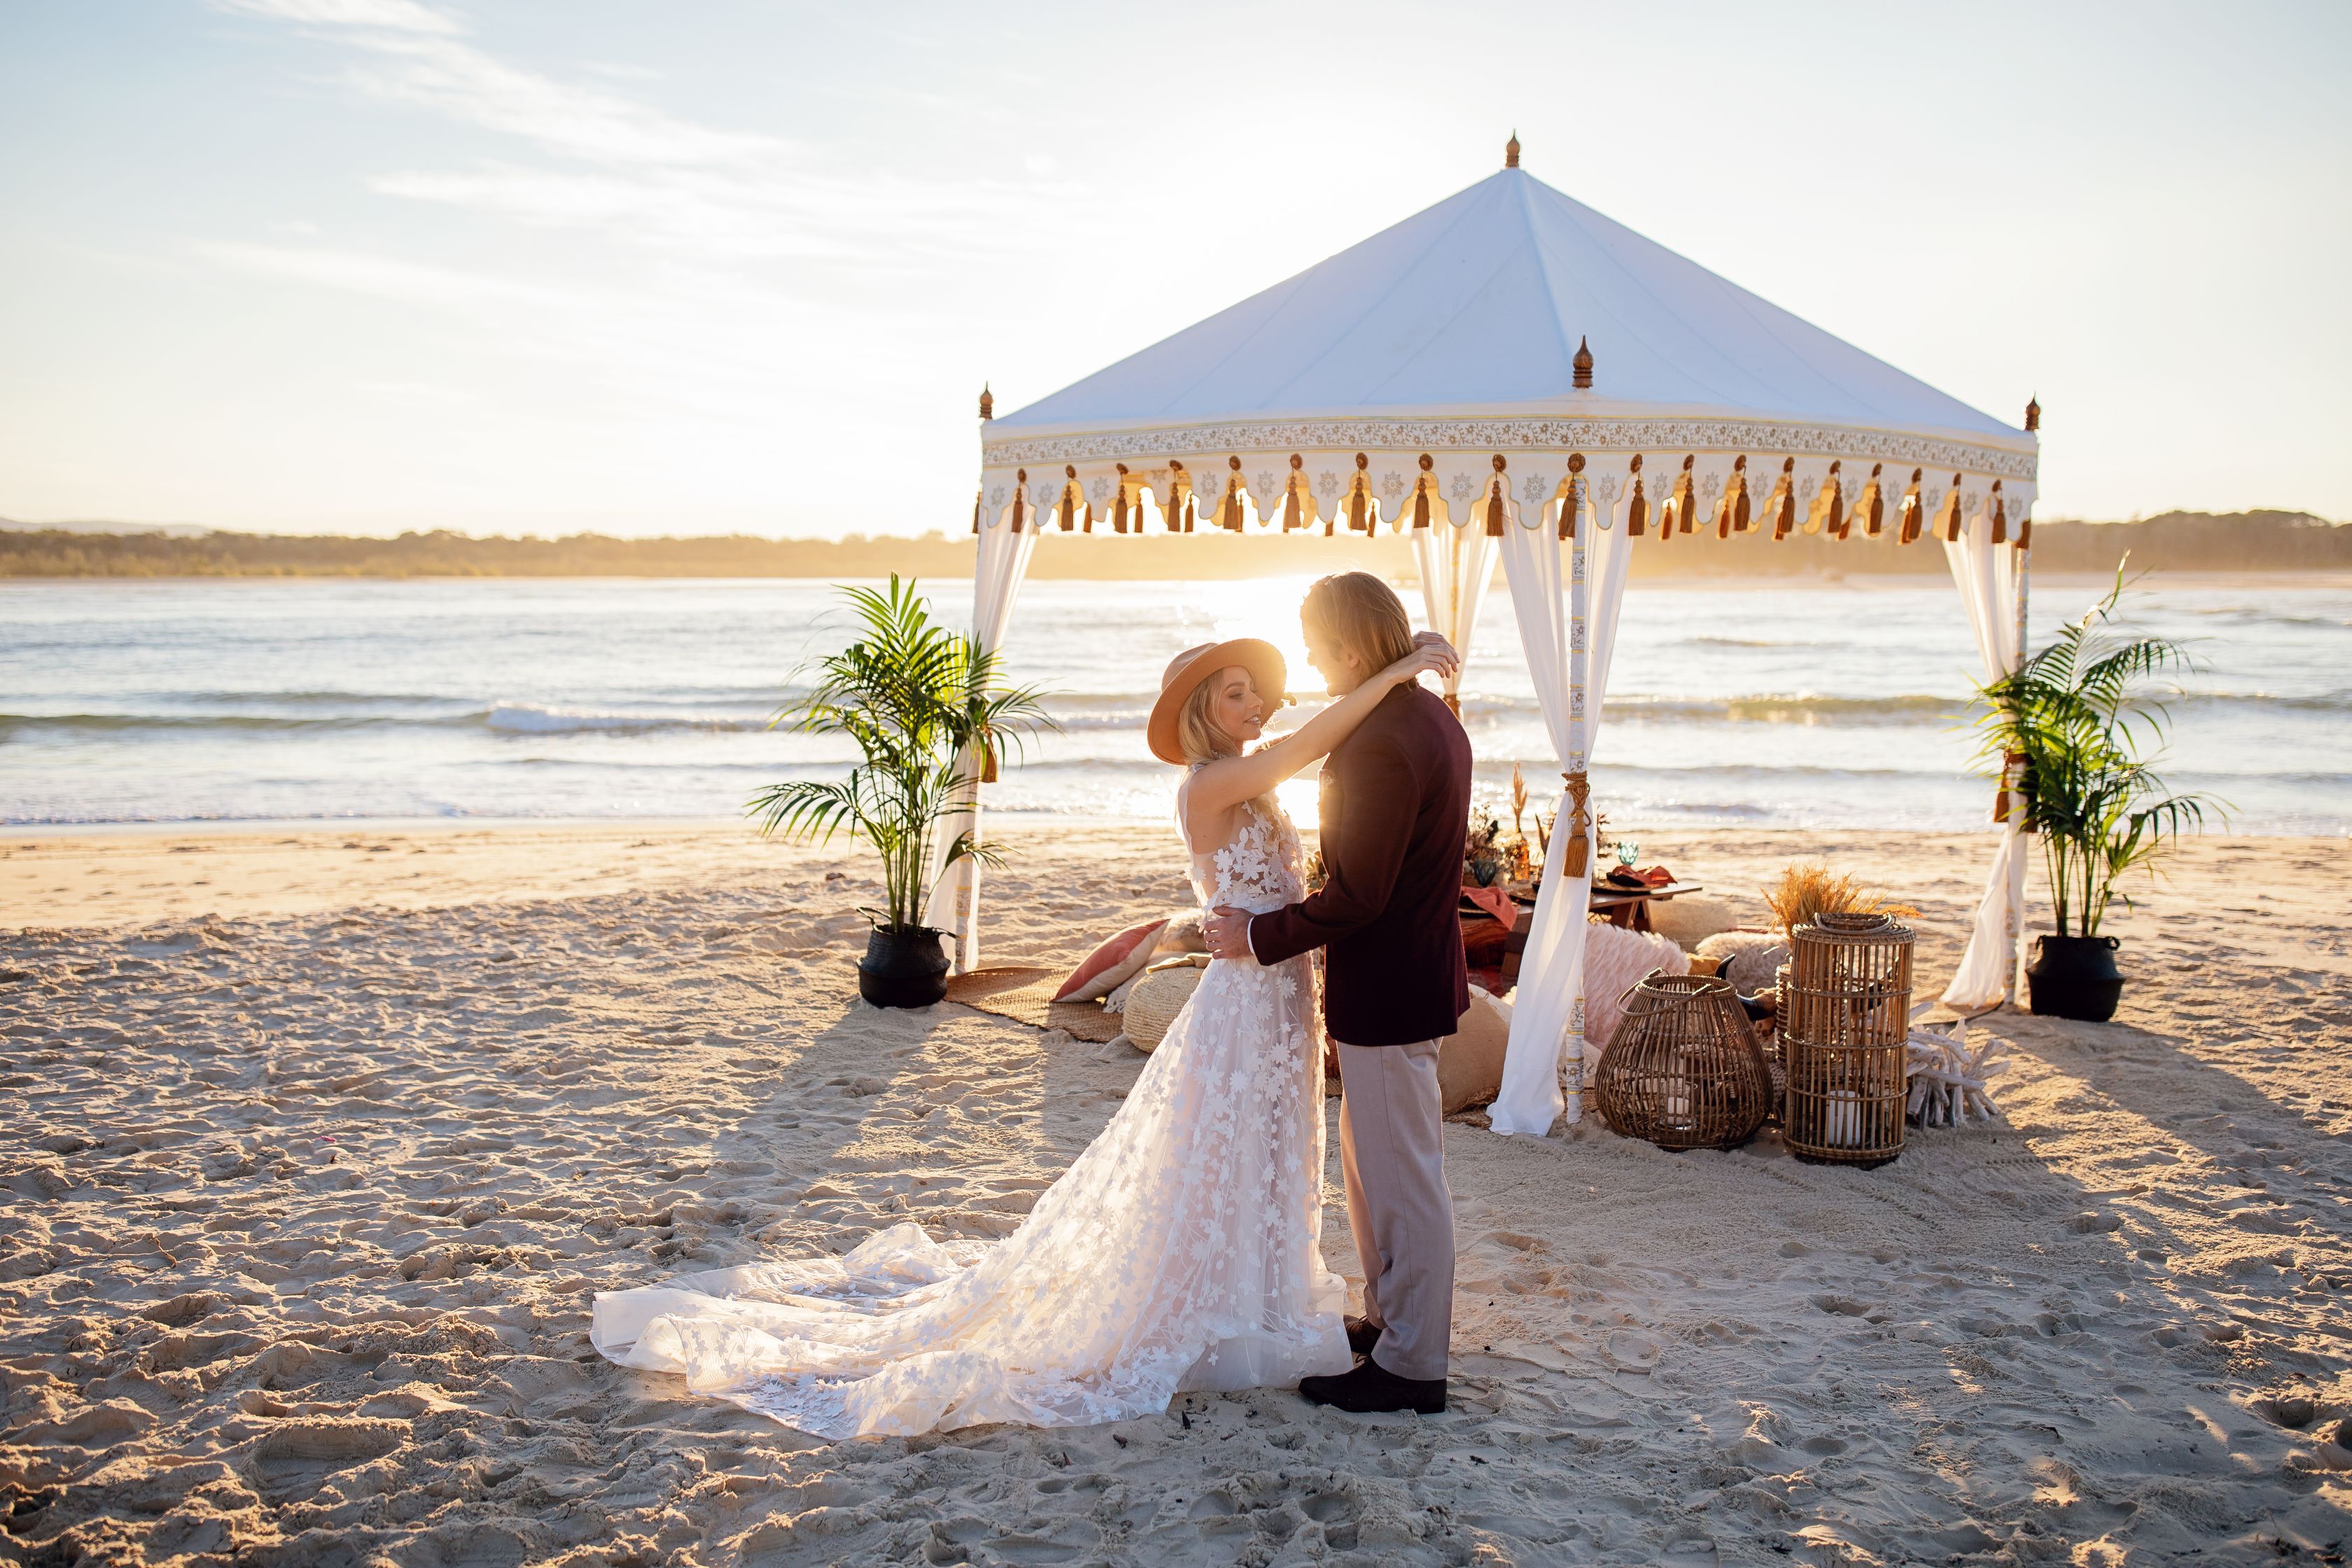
<point>1614,960</point>
<point>1135,942</point>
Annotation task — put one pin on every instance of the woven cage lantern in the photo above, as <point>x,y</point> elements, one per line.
<point>1684,1069</point>
<point>1845,1016</point>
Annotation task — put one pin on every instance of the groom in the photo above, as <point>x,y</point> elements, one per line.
<point>1396,809</point>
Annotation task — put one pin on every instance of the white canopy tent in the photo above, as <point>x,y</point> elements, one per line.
<point>1509,371</point>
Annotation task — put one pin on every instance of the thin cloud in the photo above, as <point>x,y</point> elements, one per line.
<point>728,271</point>
<point>722,351</point>
<point>715,216</point>
<point>385,278</point>
<point>422,58</point>
<point>708,181</point>
<point>387,15</point>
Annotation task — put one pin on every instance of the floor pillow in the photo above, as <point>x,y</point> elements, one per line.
<point>1615,959</point>
<point>1110,966</point>
<point>1470,1059</point>
<point>1182,933</point>
<point>1749,959</point>
<point>1693,918</point>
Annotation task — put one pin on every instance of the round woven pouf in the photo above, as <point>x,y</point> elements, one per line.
<point>1684,1069</point>
<point>1158,997</point>
<point>1845,1019</point>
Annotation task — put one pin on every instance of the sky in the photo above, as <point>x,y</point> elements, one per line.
<point>717,265</point>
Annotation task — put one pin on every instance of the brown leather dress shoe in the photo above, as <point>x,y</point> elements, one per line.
<point>1362,1335</point>
<point>1373,1387</point>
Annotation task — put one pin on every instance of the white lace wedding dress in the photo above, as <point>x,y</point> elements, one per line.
<point>1181,1251</point>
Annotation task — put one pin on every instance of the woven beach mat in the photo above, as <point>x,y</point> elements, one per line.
<point>1026,995</point>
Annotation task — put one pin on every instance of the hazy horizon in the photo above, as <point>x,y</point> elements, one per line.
<point>932,534</point>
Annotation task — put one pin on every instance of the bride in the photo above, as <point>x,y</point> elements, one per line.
<point>1181,1251</point>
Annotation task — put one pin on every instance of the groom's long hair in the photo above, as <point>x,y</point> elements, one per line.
<point>1363,615</point>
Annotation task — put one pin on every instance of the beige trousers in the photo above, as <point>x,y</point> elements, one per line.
<point>1392,1155</point>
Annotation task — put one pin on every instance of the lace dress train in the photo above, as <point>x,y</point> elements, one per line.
<point>1181,1251</point>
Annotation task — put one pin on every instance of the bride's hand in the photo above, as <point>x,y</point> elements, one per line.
<point>1431,653</point>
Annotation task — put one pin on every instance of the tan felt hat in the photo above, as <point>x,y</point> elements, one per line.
<point>1267,671</point>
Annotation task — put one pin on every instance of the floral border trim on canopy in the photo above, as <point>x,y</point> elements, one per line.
<point>1753,436</point>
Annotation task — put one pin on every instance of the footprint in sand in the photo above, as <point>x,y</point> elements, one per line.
<point>301,1454</point>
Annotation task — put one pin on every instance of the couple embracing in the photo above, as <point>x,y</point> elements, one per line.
<point>1181,1251</point>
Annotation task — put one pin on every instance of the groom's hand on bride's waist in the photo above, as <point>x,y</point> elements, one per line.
<point>1227,930</point>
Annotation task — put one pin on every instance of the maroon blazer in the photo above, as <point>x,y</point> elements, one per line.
<point>1396,809</point>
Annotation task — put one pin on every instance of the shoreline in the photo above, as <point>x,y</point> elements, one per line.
<point>1008,820</point>
<point>129,875</point>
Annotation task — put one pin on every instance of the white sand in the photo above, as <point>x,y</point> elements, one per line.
<point>314,1152</point>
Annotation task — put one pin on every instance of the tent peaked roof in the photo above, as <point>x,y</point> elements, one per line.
<point>1480,303</point>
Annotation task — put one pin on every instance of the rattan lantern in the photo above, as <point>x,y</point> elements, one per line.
<point>1845,1016</point>
<point>1684,1069</point>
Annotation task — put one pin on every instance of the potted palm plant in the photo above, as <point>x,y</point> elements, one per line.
<point>923,704</point>
<point>2075,723</point>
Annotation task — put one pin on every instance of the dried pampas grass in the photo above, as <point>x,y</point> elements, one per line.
<point>1807,890</point>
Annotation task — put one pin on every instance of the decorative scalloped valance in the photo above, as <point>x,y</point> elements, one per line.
<point>1732,475</point>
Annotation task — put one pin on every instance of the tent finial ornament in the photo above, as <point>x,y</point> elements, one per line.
<point>1583,362</point>
<point>2032,413</point>
<point>987,402</point>
<point>1511,152</point>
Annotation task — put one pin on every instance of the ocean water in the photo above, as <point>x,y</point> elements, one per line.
<point>1823,706</point>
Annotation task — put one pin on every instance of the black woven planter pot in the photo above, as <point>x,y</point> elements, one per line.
<point>905,968</point>
<point>2074,977</point>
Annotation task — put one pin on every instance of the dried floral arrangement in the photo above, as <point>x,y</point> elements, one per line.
<point>1491,856</point>
<point>1807,890</point>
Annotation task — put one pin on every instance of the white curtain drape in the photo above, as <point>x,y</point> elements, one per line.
<point>995,585</point>
<point>1566,611</point>
<point>1991,579</point>
<point>1456,562</point>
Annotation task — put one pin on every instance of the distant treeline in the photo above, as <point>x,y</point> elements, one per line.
<point>2178,541</point>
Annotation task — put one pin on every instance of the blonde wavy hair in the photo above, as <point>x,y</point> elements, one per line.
<point>1200,740</point>
<point>1363,615</point>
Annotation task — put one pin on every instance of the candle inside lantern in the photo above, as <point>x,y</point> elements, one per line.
<point>1844,1118</point>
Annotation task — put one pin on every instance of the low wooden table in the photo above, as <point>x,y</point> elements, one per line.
<point>1622,906</point>
<point>1630,910</point>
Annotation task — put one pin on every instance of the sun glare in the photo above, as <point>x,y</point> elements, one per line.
<point>1267,607</point>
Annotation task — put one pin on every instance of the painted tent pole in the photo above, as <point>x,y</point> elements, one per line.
<point>1578,864</point>
<point>1008,532</point>
<point>960,891</point>
<point>2024,596</point>
<point>1986,574</point>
